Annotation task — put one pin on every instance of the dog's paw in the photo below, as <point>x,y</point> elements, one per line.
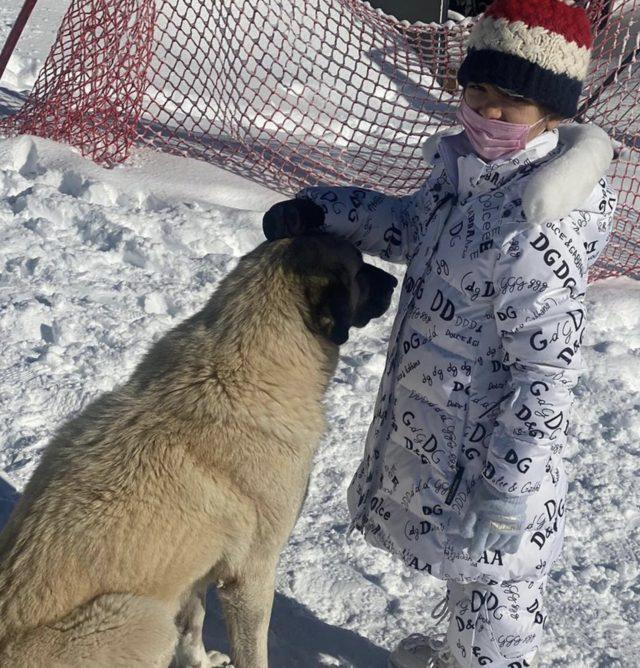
<point>201,659</point>
<point>218,660</point>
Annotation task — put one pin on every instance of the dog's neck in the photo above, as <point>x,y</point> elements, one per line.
<point>257,332</point>
<point>250,340</point>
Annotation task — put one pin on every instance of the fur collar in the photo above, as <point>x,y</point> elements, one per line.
<point>564,184</point>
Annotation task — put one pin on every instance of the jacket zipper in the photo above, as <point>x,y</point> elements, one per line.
<point>454,485</point>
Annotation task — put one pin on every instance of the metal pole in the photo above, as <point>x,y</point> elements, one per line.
<point>425,11</point>
<point>605,15</point>
<point>15,33</point>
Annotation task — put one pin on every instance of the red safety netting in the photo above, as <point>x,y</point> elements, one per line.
<point>291,93</point>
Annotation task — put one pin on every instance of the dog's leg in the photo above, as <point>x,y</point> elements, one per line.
<point>111,631</point>
<point>190,651</point>
<point>247,603</point>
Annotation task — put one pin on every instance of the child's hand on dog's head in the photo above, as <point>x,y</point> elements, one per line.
<point>292,218</point>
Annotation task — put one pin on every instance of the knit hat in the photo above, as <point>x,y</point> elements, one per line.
<point>539,49</point>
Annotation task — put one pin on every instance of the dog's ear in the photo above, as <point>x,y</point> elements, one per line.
<point>330,310</point>
<point>316,261</point>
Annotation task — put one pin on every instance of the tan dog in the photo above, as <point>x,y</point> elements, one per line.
<point>193,471</point>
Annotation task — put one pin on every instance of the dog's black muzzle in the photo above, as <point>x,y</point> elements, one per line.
<point>376,289</point>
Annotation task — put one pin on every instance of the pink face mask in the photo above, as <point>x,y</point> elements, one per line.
<point>490,138</point>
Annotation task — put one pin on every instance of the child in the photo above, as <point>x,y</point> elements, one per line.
<point>462,475</point>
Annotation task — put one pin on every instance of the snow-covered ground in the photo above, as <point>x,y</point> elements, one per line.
<point>96,264</point>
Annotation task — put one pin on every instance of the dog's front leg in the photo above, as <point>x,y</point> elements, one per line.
<point>247,603</point>
<point>190,651</point>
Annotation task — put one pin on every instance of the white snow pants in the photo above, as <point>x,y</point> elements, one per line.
<point>496,625</point>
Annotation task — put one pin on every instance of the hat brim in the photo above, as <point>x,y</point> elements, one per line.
<point>557,93</point>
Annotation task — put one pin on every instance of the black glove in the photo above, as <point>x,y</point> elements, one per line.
<point>292,218</point>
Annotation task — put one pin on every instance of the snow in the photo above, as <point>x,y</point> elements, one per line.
<point>96,264</point>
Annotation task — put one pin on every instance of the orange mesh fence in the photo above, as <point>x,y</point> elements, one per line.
<point>291,93</point>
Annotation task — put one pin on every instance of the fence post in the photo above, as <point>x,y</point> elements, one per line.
<point>15,33</point>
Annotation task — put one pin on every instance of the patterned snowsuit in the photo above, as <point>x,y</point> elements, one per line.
<point>483,355</point>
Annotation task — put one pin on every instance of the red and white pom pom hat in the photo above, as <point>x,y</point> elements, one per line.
<point>539,49</point>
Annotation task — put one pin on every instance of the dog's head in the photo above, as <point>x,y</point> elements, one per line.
<point>340,289</point>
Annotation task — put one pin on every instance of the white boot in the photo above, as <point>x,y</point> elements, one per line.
<point>418,651</point>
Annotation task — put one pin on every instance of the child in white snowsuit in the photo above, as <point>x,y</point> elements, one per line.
<point>462,475</point>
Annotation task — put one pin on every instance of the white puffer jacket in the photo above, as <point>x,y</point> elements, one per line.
<point>485,348</point>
